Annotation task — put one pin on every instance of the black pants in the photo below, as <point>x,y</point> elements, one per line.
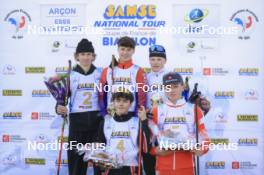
<point>76,165</point>
<point>126,170</point>
<point>149,163</point>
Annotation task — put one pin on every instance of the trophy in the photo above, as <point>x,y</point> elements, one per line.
<point>111,109</point>
<point>156,99</point>
<point>177,139</point>
<point>102,158</point>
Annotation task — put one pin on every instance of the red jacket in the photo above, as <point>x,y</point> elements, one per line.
<point>140,80</point>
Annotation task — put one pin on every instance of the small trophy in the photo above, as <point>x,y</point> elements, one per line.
<point>102,158</point>
<point>156,99</point>
<point>175,138</point>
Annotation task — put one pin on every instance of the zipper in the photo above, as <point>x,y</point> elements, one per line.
<point>174,159</point>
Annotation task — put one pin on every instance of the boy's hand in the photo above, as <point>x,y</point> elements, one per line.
<point>62,110</point>
<point>205,105</point>
<point>142,113</point>
<point>197,152</point>
<point>167,133</point>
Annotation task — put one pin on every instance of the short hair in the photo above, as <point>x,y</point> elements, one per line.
<point>126,95</point>
<point>126,41</point>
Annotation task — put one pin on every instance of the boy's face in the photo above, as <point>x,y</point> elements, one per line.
<point>85,58</point>
<point>175,91</point>
<point>121,105</point>
<point>157,63</point>
<point>125,53</point>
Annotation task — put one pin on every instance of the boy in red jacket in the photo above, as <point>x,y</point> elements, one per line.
<point>125,74</point>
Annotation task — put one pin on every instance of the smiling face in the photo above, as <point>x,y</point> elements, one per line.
<point>157,63</point>
<point>175,92</point>
<point>125,53</point>
<point>85,58</point>
<point>121,105</point>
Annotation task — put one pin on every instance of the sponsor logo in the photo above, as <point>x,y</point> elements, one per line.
<point>18,20</point>
<point>137,21</point>
<point>40,93</point>
<point>41,138</point>
<point>35,70</point>
<point>247,141</point>
<point>12,138</point>
<point>215,165</point>
<point>251,94</point>
<point>194,17</point>
<point>243,165</point>
<point>35,161</point>
<point>56,46</point>
<point>248,71</point>
<point>224,94</point>
<point>222,141</point>
<point>10,160</point>
<point>12,115</point>
<point>246,21</point>
<point>184,71</point>
<point>61,70</point>
<point>220,117</point>
<point>61,19</point>
<point>9,92</point>
<point>64,162</point>
<point>41,116</point>
<point>215,71</point>
<point>253,118</point>
<point>9,70</point>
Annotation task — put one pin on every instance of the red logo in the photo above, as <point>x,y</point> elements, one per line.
<point>235,165</point>
<point>207,71</point>
<point>6,138</point>
<point>34,116</point>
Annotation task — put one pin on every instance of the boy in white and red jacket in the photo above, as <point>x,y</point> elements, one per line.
<point>178,117</point>
<point>124,73</point>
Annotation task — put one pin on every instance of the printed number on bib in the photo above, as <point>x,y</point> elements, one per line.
<point>87,100</point>
<point>120,145</point>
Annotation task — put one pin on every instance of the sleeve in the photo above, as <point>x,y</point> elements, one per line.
<point>145,137</point>
<point>69,95</point>
<point>154,127</point>
<point>102,93</point>
<point>141,94</point>
<point>153,123</point>
<point>202,131</point>
<point>100,138</point>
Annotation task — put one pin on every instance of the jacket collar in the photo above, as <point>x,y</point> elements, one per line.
<point>122,118</point>
<point>79,69</point>
<point>125,65</point>
<point>179,103</point>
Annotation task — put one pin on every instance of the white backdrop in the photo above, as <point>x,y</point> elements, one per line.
<point>228,68</point>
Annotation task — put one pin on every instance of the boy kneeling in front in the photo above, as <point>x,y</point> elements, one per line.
<point>121,133</point>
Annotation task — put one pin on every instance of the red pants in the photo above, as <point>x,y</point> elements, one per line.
<point>186,171</point>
